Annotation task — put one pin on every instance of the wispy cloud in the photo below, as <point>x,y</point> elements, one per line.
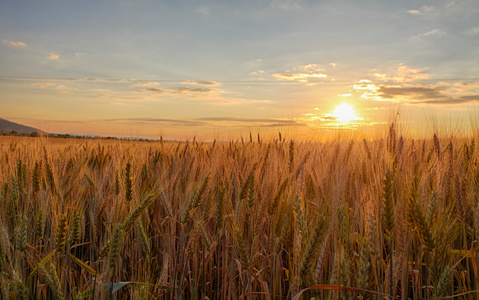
<point>473,31</point>
<point>423,10</point>
<point>195,82</point>
<point>402,74</point>
<point>66,121</point>
<point>53,56</point>
<point>147,83</point>
<point>180,90</point>
<point>259,72</point>
<point>14,43</point>
<point>43,84</point>
<point>367,89</point>
<point>298,76</point>
<point>406,74</point>
<point>171,122</point>
<point>302,73</point>
<point>222,122</point>
<point>48,84</point>
<point>432,33</point>
<point>252,121</point>
<point>327,120</point>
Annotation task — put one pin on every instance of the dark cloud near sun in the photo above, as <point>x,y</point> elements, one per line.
<point>329,118</point>
<point>424,95</point>
<point>457,100</point>
<point>418,93</point>
<point>414,86</point>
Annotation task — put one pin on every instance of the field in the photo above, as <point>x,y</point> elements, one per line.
<point>245,219</point>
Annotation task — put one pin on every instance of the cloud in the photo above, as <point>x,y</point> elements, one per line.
<point>402,74</point>
<point>403,85</point>
<point>209,83</point>
<point>413,86</point>
<point>53,56</point>
<point>43,84</point>
<point>473,31</point>
<point>426,95</point>
<point>246,120</point>
<point>213,121</point>
<point>173,122</point>
<point>451,100</point>
<point>241,122</point>
<point>427,8</point>
<point>298,76</point>
<point>327,120</point>
<point>155,90</point>
<point>14,43</point>
<point>303,73</point>
<point>467,84</point>
<point>420,93</point>
<point>406,74</point>
<point>367,88</point>
<point>66,121</point>
<point>255,63</point>
<point>365,84</point>
<point>379,75</point>
<point>235,101</point>
<point>48,85</point>
<point>424,9</point>
<point>147,83</point>
<point>432,33</point>
<point>311,68</point>
<point>185,90</point>
<point>179,90</point>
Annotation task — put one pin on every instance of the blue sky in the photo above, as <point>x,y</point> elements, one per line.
<point>218,68</point>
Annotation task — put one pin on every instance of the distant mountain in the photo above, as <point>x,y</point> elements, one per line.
<point>7,127</point>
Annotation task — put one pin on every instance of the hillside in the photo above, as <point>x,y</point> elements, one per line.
<point>8,126</point>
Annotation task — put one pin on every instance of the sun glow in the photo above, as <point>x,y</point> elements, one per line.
<point>345,113</point>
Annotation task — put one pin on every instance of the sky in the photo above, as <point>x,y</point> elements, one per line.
<point>221,69</point>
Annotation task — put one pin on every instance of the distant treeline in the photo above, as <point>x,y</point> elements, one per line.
<point>66,136</point>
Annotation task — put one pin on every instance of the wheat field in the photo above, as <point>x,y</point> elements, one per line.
<point>391,217</point>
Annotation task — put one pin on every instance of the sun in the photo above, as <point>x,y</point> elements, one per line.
<point>345,113</point>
